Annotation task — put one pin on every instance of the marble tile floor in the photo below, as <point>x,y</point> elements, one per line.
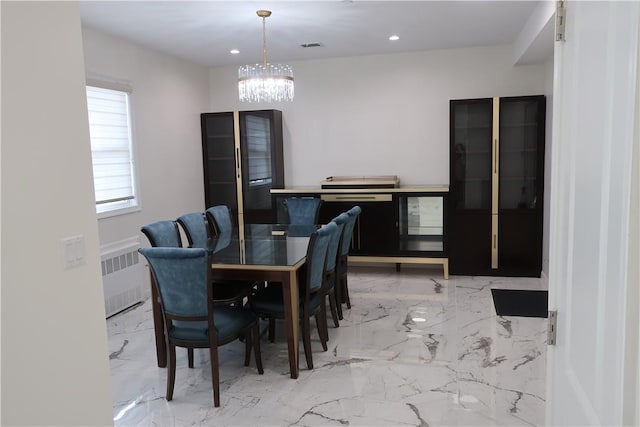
<point>414,350</point>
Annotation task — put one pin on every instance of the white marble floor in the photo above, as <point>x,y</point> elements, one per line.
<point>414,350</point>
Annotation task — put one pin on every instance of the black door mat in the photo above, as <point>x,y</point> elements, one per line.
<point>518,302</point>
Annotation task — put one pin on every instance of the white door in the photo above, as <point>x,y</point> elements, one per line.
<point>594,114</point>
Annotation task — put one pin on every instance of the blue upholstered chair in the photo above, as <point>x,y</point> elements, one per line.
<point>302,210</point>
<point>197,231</point>
<point>182,278</point>
<point>341,273</point>
<point>195,228</point>
<point>268,303</point>
<point>163,234</point>
<point>219,219</point>
<point>333,258</point>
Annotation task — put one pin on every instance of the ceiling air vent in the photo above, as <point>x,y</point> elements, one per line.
<point>305,45</point>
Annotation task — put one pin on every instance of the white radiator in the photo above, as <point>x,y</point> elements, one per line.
<point>124,278</point>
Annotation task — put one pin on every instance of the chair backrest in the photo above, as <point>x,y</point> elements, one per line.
<point>334,243</point>
<point>181,279</point>
<point>196,229</point>
<point>354,211</point>
<point>303,210</point>
<point>317,256</point>
<point>220,219</point>
<point>348,230</point>
<point>222,240</point>
<point>163,234</point>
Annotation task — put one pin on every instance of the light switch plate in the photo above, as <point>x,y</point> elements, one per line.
<point>73,254</point>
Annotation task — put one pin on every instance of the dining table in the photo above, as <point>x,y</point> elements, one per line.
<point>261,253</point>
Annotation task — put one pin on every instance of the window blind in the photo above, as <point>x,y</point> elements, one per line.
<point>110,131</point>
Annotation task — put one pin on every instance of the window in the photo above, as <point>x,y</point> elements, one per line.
<point>111,149</point>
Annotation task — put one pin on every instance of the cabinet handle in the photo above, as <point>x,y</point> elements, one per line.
<point>357,198</point>
<point>494,241</point>
<point>495,156</point>
<point>238,161</point>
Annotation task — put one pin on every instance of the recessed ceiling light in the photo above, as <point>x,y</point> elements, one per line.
<point>394,38</point>
<point>234,51</point>
<point>314,44</point>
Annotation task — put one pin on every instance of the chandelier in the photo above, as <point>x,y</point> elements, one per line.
<point>265,82</point>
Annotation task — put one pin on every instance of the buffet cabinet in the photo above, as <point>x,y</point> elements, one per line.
<point>243,160</point>
<point>496,186</point>
<point>396,225</point>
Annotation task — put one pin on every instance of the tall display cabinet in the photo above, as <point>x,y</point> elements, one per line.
<point>496,186</point>
<point>243,161</point>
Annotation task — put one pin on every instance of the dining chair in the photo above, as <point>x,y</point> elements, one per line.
<point>341,273</point>
<point>197,231</point>
<point>163,233</point>
<point>329,288</point>
<point>219,218</point>
<point>303,210</point>
<point>268,302</point>
<point>183,277</point>
<point>195,228</point>
<point>333,259</point>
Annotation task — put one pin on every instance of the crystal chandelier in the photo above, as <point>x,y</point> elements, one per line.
<point>265,82</point>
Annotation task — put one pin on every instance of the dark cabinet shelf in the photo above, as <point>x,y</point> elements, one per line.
<point>495,203</point>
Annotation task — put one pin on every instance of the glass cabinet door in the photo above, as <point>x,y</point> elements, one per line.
<point>262,162</point>
<point>471,154</point>
<point>255,143</point>
<point>421,223</point>
<point>519,141</point>
<point>219,158</point>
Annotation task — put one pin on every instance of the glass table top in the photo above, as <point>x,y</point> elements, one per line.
<point>262,244</point>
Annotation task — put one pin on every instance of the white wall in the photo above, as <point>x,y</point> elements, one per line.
<point>384,114</point>
<point>168,96</point>
<point>55,368</point>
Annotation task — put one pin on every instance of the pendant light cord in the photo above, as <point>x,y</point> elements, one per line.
<point>264,41</point>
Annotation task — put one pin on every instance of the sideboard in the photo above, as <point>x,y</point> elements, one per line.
<point>401,225</point>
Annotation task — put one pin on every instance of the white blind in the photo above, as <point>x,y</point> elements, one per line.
<point>110,131</point>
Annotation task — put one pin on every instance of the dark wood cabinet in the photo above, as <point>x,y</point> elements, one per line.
<point>496,186</point>
<point>396,225</point>
<point>243,160</point>
<point>375,230</point>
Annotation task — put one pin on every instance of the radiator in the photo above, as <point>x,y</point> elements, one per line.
<point>124,276</point>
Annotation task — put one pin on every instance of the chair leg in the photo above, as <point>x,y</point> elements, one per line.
<point>306,341</point>
<point>171,371</point>
<point>338,298</point>
<point>272,329</point>
<point>334,309</point>
<point>247,348</point>
<point>323,333</point>
<point>190,356</point>
<point>345,291</point>
<point>215,375</point>
<point>256,348</point>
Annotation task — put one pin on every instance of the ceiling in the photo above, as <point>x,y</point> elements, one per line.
<point>205,31</point>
